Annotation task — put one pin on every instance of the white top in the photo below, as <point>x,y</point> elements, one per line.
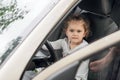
<point>63,44</point>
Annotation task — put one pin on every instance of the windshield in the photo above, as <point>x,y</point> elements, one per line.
<point>17,19</point>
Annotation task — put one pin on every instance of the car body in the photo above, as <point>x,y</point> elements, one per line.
<point>38,24</point>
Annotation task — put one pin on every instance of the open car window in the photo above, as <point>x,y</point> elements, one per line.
<point>69,70</point>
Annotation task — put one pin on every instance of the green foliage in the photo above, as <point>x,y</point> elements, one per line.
<point>10,13</point>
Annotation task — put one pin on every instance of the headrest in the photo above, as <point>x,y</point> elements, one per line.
<point>102,7</point>
<point>100,26</point>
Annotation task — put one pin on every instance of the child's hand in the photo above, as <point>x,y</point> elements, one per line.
<point>98,65</point>
<point>65,55</point>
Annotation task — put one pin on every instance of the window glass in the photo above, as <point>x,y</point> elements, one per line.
<point>17,19</point>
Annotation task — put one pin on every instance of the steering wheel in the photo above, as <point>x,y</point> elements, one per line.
<point>43,62</point>
<point>53,55</point>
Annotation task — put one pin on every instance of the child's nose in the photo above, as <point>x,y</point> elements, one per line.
<point>75,33</point>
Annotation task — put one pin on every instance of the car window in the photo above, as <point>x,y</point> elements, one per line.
<point>106,70</point>
<point>17,19</point>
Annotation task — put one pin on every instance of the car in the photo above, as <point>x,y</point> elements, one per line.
<point>25,26</point>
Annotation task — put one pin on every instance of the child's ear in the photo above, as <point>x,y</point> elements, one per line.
<point>85,34</point>
<point>66,33</point>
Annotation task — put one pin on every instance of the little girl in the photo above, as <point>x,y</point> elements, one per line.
<point>76,28</point>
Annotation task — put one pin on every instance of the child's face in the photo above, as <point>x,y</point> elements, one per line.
<point>75,32</point>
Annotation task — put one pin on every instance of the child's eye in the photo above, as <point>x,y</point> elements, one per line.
<point>78,31</point>
<point>71,30</point>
